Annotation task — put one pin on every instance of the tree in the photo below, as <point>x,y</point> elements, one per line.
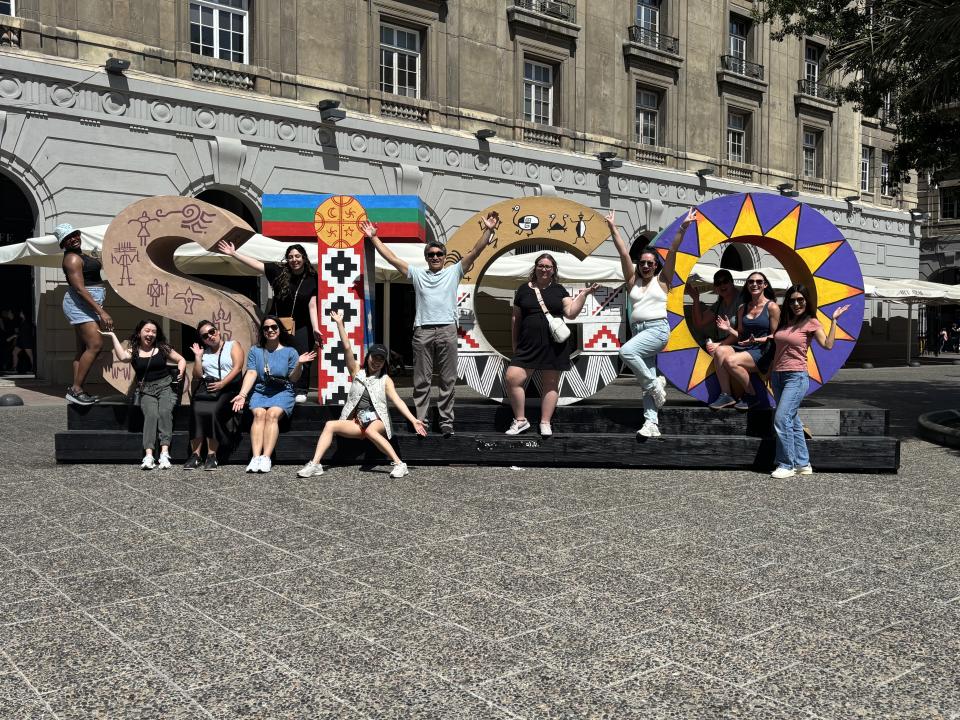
<point>896,58</point>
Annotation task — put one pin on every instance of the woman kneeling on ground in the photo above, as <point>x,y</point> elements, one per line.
<point>365,414</point>
<point>272,369</point>
<point>748,347</point>
<point>217,366</point>
<point>790,380</point>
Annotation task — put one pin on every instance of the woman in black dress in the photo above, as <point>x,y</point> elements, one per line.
<point>533,346</point>
<point>294,283</point>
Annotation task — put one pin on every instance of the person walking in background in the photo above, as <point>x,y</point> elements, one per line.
<point>217,366</point>
<point>790,379</point>
<point>748,347</point>
<point>273,366</point>
<point>149,353</point>
<point>647,286</point>
<point>435,322</point>
<point>83,307</point>
<point>294,283</point>
<point>365,414</point>
<point>534,348</point>
<point>26,338</point>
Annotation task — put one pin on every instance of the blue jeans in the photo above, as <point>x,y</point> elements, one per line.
<point>640,355</point>
<point>789,389</point>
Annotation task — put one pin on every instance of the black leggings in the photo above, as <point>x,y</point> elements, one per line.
<point>208,417</point>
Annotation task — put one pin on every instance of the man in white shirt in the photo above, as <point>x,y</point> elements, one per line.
<point>435,323</point>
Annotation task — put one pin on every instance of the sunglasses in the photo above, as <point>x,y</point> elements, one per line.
<point>210,333</point>
<point>647,263</point>
<point>721,283</point>
<point>544,267</point>
<point>271,328</point>
<point>797,301</point>
<point>755,282</point>
<point>434,254</point>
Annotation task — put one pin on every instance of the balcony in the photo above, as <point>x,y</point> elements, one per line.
<point>740,74</point>
<point>652,49</point>
<point>816,89</point>
<point>816,96</point>
<point>658,41</point>
<point>558,17</point>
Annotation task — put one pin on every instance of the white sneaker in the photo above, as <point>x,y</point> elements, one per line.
<point>266,464</point>
<point>301,398</point>
<point>311,469</point>
<point>254,465</point>
<point>164,463</point>
<point>148,463</point>
<point>649,430</point>
<point>783,472</point>
<point>546,430</point>
<point>805,470</point>
<point>518,426</point>
<point>659,391</point>
<point>400,469</point>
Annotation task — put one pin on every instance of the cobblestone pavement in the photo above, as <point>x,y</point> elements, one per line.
<point>468,592</point>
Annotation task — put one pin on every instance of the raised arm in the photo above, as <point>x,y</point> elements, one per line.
<point>227,248</point>
<point>486,237</point>
<point>370,231</point>
<point>573,306</point>
<point>119,351</point>
<point>827,340</point>
<point>670,262</point>
<point>398,403</point>
<point>626,264</point>
<point>352,366</point>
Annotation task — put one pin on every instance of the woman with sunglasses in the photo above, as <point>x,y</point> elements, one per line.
<point>748,346</point>
<point>272,369</point>
<point>648,287</point>
<point>533,346</point>
<point>217,366</point>
<point>365,414</point>
<point>294,283</point>
<point>790,380</point>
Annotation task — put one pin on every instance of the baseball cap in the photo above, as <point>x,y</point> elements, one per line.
<point>378,349</point>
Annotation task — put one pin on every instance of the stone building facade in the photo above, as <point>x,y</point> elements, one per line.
<point>691,96</point>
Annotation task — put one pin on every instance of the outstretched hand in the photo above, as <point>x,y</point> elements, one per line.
<point>723,323</point>
<point>492,220</point>
<point>611,219</point>
<point>368,228</point>
<point>238,402</point>
<point>590,289</point>
<point>419,428</point>
<point>226,248</point>
<point>336,316</point>
<point>197,350</point>
<point>840,311</point>
<point>307,357</point>
<point>690,217</point>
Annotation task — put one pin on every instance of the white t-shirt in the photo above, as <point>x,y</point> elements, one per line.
<point>436,294</point>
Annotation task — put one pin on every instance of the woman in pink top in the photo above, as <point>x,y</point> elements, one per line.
<point>789,378</point>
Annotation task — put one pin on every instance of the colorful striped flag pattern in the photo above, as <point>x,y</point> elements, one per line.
<point>399,218</point>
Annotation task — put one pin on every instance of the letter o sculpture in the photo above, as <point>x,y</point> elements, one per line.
<point>810,248</point>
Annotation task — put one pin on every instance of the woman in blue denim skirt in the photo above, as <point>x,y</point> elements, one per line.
<point>648,284</point>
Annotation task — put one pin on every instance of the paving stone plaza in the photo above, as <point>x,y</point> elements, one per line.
<point>464,592</point>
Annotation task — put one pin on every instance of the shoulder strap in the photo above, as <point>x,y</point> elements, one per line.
<point>543,305</point>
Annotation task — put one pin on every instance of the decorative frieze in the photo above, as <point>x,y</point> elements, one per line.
<point>226,78</point>
<point>402,111</point>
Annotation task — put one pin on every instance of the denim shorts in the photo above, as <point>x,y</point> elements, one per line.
<point>78,310</point>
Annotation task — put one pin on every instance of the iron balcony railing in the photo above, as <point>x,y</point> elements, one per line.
<point>739,66</point>
<point>648,38</point>
<point>561,9</point>
<point>817,89</point>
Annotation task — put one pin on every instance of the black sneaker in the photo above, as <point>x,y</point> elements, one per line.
<point>448,433</point>
<point>79,398</point>
<point>192,463</point>
<point>211,463</point>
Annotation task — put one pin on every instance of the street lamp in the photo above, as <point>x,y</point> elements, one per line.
<point>485,134</point>
<point>609,160</point>
<point>116,66</point>
<point>330,111</point>
<point>704,172</point>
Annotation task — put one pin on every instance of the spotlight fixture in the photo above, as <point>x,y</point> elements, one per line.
<point>918,214</point>
<point>485,134</point>
<point>851,198</point>
<point>790,193</point>
<point>116,66</point>
<point>704,171</point>
<point>609,160</point>
<point>785,187</point>
<point>330,111</point>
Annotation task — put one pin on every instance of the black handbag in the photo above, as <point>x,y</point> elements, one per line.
<point>201,392</point>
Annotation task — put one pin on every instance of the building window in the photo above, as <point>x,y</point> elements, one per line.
<point>885,187</point>
<point>811,64</point>
<point>6,7</point>
<point>950,203</point>
<point>648,15</point>
<point>739,28</point>
<point>537,93</point>
<point>219,29</point>
<point>648,116</point>
<point>866,154</point>
<point>812,146</point>
<point>737,125</point>
<point>399,61</point>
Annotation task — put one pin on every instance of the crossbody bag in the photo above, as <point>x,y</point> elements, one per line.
<point>558,328</point>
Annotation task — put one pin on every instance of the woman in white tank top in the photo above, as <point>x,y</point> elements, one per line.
<point>647,287</point>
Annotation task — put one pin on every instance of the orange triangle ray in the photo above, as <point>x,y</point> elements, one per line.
<point>813,369</point>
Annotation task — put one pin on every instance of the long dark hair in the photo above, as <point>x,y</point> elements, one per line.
<point>786,310</point>
<point>541,256</point>
<point>284,283</point>
<point>160,342</point>
<point>284,338</point>
<point>649,250</point>
<point>768,292</point>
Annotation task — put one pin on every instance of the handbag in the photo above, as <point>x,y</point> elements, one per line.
<point>276,382</point>
<point>287,320</point>
<point>137,392</point>
<point>559,330</point>
<point>201,392</point>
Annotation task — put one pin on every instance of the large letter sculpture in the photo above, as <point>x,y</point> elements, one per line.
<point>138,250</point>
<point>566,226</point>
<point>345,263</point>
<point>811,250</point>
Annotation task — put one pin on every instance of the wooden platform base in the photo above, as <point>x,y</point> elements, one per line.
<point>585,435</point>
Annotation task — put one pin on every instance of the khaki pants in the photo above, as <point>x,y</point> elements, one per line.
<point>435,348</point>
